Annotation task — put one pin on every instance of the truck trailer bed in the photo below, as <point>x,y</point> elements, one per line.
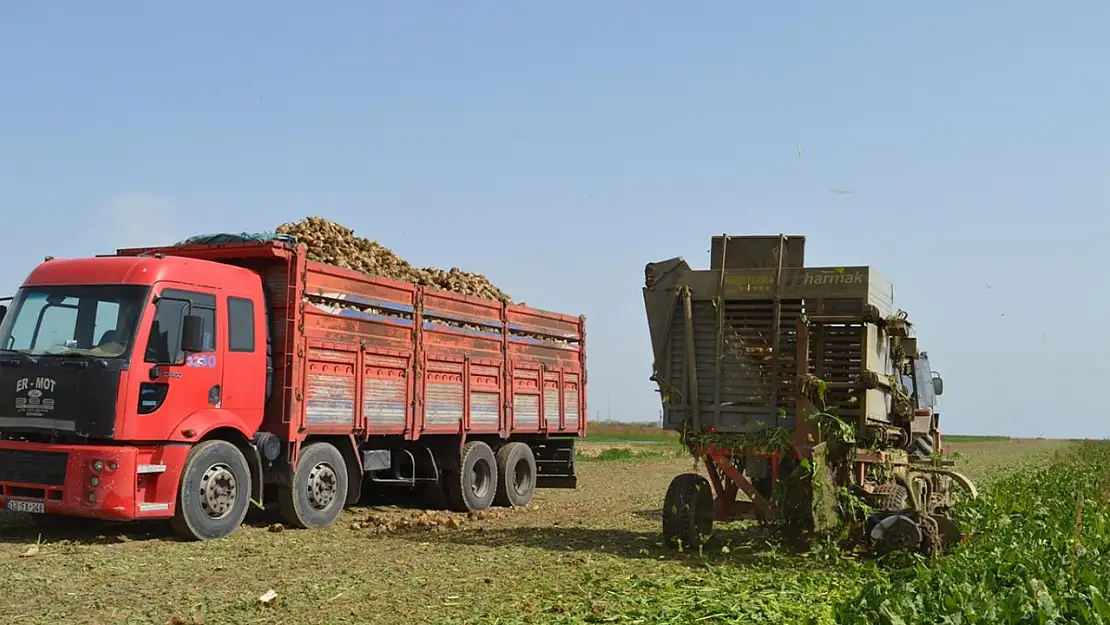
<point>361,354</point>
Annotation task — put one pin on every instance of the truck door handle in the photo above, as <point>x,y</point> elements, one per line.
<point>214,395</point>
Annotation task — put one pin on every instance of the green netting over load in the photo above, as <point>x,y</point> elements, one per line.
<point>222,238</point>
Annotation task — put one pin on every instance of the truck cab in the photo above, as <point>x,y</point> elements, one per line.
<point>111,367</point>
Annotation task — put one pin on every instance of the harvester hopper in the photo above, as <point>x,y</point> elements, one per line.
<point>801,388</point>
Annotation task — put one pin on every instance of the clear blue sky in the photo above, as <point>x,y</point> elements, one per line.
<point>559,146</point>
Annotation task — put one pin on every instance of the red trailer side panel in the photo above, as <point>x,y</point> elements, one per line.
<point>360,345</point>
<point>386,357</point>
<point>373,356</point>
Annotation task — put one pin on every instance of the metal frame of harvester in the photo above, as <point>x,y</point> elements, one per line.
<point>802,389</point>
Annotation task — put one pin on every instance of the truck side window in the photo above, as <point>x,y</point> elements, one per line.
<point>240,324</point>
<point>164,342</point>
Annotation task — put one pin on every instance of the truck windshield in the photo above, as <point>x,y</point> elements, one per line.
<point>80,320</point>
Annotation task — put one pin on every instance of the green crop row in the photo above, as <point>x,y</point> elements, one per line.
<point>1039,553</point>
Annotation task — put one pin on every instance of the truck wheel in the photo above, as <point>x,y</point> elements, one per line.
<point>473,486</point>
<point>516,475</point>
<point>215,492</point>
<point>688,510</point>
<point>317,491</point>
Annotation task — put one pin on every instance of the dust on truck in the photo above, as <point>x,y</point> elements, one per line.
<point>802,392</point>
<point>183,382</point>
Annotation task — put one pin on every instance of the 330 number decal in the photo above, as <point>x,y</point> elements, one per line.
<point>203,361</point>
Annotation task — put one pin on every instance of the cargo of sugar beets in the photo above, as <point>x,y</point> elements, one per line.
<point>804,394</point>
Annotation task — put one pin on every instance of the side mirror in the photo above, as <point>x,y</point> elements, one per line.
<point>3,312</point>
<point>938,385</point>
<point>192,334</point>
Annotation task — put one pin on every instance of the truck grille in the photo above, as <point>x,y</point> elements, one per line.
<point>33,467</point>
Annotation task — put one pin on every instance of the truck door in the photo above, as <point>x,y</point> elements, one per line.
<point>176,384</point>
<point>245,363</point>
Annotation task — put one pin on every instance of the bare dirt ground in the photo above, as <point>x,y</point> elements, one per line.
<point>555,559</point>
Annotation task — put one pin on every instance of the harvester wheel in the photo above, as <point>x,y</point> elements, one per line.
<point>317,492</point>
<point>890,497</point>
<point>214,493</point>
<point>472,486</point>
<point>688,511</point>
<point>516,475</point>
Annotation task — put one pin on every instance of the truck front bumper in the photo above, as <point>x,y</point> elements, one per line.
<point>102,482</point>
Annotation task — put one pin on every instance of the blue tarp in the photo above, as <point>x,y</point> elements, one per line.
<point>221,238</point>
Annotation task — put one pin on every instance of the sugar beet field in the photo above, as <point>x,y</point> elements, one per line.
<point>594,555</point>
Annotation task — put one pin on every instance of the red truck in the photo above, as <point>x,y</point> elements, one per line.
<point>183,382</point>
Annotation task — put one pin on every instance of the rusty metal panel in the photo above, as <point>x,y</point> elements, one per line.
<point>485,395</point>
<point>339,321</point>
<point>344,305</point>
<point>485,410</point>
<point>329,399</point>
<point>445,340</point>
<point>385,402</point>
<point>526,399</point>
<point>539,352</point>
<point>443,404</point>
<point>551,408</point>
<point>329,385</point>
<point>460,326</point>
<point>485,374</point>
<point>385,391</point>
<point>570,402</point>
<point>465,309</point>
<point>526,411</point>
<point>323,279</point>
<point>443,395</point>
<point>534,321</point>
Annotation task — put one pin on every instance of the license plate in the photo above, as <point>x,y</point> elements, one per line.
<point>34,507</point>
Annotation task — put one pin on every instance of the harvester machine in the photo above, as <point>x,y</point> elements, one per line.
<point>803,393</point>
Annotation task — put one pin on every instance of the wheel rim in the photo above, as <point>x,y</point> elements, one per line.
<point>479,479</point>
<point>321,486</point>
<point>218,491</point>
<point>522,478</point>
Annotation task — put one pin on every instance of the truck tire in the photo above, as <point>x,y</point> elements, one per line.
<point>215,492</point>
<point>473,486</point>
<point>317,490</point>
<point>688,511</point>
<point>516,475</point>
